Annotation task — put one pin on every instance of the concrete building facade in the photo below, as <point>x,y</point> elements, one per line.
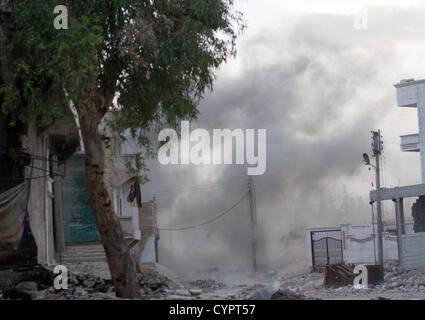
<point>357,244</point>
<point>49,163</point>
<point>405,242</point>
<point>411,247</point>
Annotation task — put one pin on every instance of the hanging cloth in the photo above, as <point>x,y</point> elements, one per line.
<point>13,204</point>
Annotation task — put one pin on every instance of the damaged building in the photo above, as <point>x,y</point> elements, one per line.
<point>29,162</point>
<point>404,239</point>
<point>45,216</point>
<point>411,249</point>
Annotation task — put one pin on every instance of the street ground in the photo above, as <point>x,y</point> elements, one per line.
<point>91,281</point>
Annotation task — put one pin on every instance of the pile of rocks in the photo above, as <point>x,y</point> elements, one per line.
<point>398,284</point>
<point>24,282</point>
<point>260,292</point>
<point>36,282</point>
<point>287,295</point>
<point>155,284</point>
<point>207,284</point>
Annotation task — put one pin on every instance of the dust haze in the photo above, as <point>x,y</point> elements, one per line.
<point>319,93</point>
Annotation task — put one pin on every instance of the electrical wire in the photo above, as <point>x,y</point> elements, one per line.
<point>33,155</point>
<point>195,188</point>
<point>206,222</point>
<point>29,178</point>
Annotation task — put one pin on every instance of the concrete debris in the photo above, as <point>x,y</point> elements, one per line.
<point>398,284</point>
<point>155,284</point>
<point>338,275</point>
<point>207,284</point>
<point>183,292</point>
<point>287,295</point>
<point>262,294</point>
<point>36,283</point>
<point>11,277</point>
<point>196,292</point>
<point>22,291</point>
<point>177,298</point>
<point>270,292</point>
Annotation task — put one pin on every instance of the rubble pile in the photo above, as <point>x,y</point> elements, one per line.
<point>92,282</point>
<point>398,284</point>
<point>155,284</point>
<point>36,283</point>
<point>260,292</point>
<point>24,282</point>
<point>207,284</point>
<point>287,295</point>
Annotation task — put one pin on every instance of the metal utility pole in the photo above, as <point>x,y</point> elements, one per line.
<point>157,236</point>
<point>253,214</point>
<point>377,150</point>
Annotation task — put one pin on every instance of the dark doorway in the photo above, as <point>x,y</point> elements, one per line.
<point>11,159</point>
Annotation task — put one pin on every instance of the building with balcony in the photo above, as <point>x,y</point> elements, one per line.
<point>410,245</point>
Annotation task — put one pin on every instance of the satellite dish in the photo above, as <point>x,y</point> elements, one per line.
<point>366,159</point>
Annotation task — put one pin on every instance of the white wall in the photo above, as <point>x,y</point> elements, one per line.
<point>412,94</point>
<point>122,207</point>
<point>413,250</point>
<point>359,244</point>
<point>148,254</point>
<point>40,202</point>
<point>128,211</point>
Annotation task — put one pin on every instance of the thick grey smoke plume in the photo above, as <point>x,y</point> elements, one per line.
<point>319,99</point>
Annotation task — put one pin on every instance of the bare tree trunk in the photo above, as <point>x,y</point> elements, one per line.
<point>122,264</point>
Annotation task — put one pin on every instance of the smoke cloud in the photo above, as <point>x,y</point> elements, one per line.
<point>319,93</point>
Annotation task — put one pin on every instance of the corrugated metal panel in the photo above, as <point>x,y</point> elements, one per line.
<point>413,250</point>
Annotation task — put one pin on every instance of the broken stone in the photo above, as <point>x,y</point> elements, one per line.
<point>102,287</point>
<point>80,292</point>
<point>183,292</point>
<point>41,276</point>
<point>177,297</point>
<point>16,294</point>
<point>195,292</point>
<point>262,294</point>
<point>207,284</point>
<point>73,281</point>
<point>26,290</point>
<point>287,295</point>
<point>40,295</point>
<point>89,283</point>
<point>170,291</point>
<point>28,286</point>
